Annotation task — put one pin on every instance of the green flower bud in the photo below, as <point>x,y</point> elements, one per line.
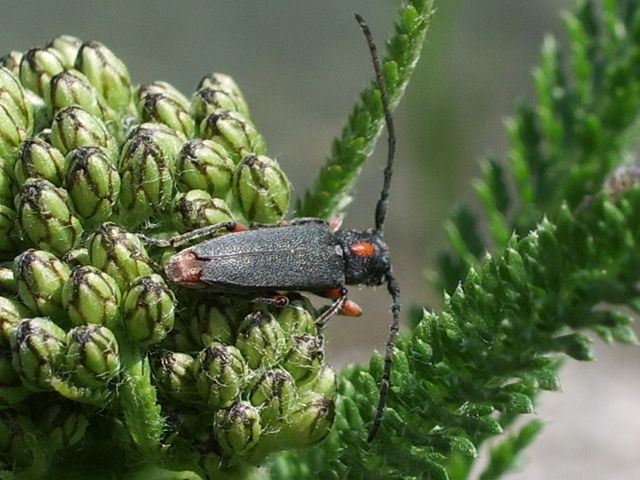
<point>224,83</point>
<point>204,165</point>
<point>8,280</point>
<point>165,89</point>
<point>93,182</point>
<point>221,373</point>
<point>74,127</point>
<point>44,135</point>
<point>179,339</point>
<point>148,310</point>
<point>309,422</point>
<point>11,133</point>
<point>64,424</point>
<point>260,339</point>
<point>37,67</point>
<point>147,178</point>
<point>11,61</point>
<point>11,314</point>
<point>169,140</point>
<point>210,323</point>
<point>305,358</point>
<point>76,257</point>
<point>324,383</point>
<point>38,159</point>
<point>165,109</point>
<point>107,73</point>
<point>92,356</point>
<point>234,132</point>
<point>37,347</point>
<point>40,277</point>
<point>9,243</point>
<point>207,101</point>
<point>12,391</point>
<point>91,296</point>
<point>119,253</point>
<point>297,318</point>
<point>274,391</point>
<point>71,87</point>
<point>238,429</point>
<point>14,100</point>
<point>67,46</point>
<point>175,376</point>
<point>46,216</point>
<point>196,209</point>
<point>7,192</point>
<point>41,117</point>
<point>261,189</point>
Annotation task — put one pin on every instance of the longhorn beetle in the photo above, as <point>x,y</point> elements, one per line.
<point>307,254</point>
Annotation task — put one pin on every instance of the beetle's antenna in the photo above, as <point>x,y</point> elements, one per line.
<point>385,382</point>
<point>383,203</point>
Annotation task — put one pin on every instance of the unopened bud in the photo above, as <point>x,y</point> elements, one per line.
<point>305,358</point>
<point>11,61</point>
<point>118,253</point>
<point>238,429</point>
<point>91,296</point>
<point>37,67</point>
<point>46,216</point>
<point>210,322</point>
<point>74,127</point>
<point>37,347</point>
<point>92,357</point>
<point>175,376</point>
<point>67,46</point>
<point>261,340</point>
<point>148,310</point>
<point>165,109</point>
<point>11,314</point>
<point>274,393</point>
<point>93,182</point>
<point>107,73</point>
<point>204,165</point>
<point>71,87</point>
<point>221,373</point>
<point>262,189</point>
<point>196,209</point>
<point>9,241</point>
<point>224,83</point>
<point>64,424</point>
<point>234,132</point>
<point>38,159</point>
<point>40,276</point>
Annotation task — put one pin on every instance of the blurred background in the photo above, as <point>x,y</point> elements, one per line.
<point>300,66</point>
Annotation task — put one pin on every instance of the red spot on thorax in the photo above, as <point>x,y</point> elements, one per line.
<point>363,249</point>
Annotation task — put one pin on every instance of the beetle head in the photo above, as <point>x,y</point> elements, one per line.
<point>366,257</point>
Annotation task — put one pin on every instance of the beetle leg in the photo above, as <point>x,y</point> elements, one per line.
<point>179,240</point>
<point>276,300</point>
<point>334,308</point>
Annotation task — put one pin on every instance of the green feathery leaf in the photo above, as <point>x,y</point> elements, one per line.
<point>330,193</point>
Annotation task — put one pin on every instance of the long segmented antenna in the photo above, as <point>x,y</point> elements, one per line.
<point>385,382</point>
<point>383,203</point>
<point>381,213</point>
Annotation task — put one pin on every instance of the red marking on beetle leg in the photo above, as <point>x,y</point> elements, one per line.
<point>350,309</point>
<point>184,269</point>
<point>363,249</point>
<point>238,228</point>
<point>280,301</point>
<point>334,293</point>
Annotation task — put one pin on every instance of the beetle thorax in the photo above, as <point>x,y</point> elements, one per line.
<point>366,257</point>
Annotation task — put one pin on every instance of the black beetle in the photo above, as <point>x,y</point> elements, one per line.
<point>306,254</point>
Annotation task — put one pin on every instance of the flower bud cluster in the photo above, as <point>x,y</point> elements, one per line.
<point>86,160</point>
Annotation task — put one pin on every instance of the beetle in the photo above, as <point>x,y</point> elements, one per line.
<point>308,254</point>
